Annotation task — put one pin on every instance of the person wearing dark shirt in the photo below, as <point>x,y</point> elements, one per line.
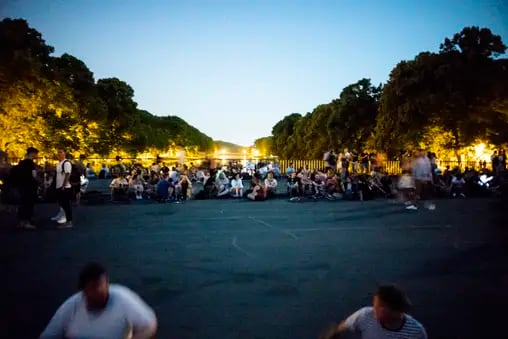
<point>365,162</point>
<point>163,188</point>
<point>26,183</point>
<point>294,185</point>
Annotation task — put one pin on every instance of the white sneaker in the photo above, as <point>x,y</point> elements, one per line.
<point>411,207</point>
<point>29,226</point>
<point>58,215</point>
<point>62,220</point>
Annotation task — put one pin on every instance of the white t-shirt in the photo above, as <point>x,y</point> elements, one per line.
<point>60,174</point>
<point>364,322</point>
<point>237,183</point>
<point>124,312</point>
<point>270,183</point>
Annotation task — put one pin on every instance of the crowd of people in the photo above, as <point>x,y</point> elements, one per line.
<point>348,175</point>
<point>93,310</point>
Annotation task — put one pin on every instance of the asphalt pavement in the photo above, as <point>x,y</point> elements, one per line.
<point>274,269</point>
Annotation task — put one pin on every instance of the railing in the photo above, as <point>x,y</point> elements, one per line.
<point>392,167</point>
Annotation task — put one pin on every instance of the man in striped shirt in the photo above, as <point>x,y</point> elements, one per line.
<point>385,319</point>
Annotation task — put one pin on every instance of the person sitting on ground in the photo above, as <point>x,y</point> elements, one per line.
<point>318,179</point>
<point>119,188</point>
<point>101,310</point>
<point>222,185</point>
<point>163,187</point>
<point>237,186</point>
<point>270,185</point>
<point>294,186</point>
<point>136,186</point>
<point>257,193</point>
<point>457,185</point>
<point>183,186</point>
<point>104,172</point>
<point>304,175</point>
<point>385,319</point>
<point>331,183</point>
<point>200,176</point>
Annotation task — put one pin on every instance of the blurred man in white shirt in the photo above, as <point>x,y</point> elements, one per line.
<point>101,310</point>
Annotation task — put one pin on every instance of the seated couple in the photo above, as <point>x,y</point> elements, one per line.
<point>226,188</point>
<point>262,190</point>
<point>168,189</point>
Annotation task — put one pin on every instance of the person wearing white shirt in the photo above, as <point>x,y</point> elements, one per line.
<point>237,186</point>
<point>101,310</point>
<point>270,185</point>
<point>222,184</point>
<point>63,190</point>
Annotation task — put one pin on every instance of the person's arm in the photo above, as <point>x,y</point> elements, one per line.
<point>353,324</point>
<point>140,316</point>
<point>59,322</point>
<point>67,167</point>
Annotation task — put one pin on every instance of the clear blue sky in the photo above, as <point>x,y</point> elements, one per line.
<point>234,68</point>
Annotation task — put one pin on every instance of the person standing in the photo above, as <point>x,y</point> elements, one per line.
<point>101,310</point>
<point>26,183</point>
<point>422,172</point>
<point>63,190</point>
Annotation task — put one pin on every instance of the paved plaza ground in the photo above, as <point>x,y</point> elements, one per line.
<point>275,269</point>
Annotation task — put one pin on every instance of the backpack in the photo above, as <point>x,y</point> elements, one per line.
<point>75,177</point>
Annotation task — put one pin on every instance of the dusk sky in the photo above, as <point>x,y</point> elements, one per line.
<point>234,68</point>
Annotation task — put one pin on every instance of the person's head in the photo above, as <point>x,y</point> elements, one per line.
<point>94,283</point>
<point>61,154</point>
<point>32,152</point>
<point>390,303</point>
<point>270,175</point>
<point>237,176</point>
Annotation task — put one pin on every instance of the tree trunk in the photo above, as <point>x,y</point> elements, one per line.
<point>456,146</point>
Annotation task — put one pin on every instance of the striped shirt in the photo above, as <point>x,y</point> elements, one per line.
<point>364,322</point>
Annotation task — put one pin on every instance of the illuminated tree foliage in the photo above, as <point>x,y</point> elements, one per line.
<point>461,91</point>
<point>345,122</point>
<point>438,101</point>
<point>48,101</point>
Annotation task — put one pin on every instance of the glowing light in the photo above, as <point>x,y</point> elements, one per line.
<point>256,152</point>
<point>482,152</point>
<point>223,151</point>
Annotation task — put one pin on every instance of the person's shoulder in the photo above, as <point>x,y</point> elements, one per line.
<point>366,311</point>
<point>73,301</point>
<point>414,325</point>
<point>121,292</point>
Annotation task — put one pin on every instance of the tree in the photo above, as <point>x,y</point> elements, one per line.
<point>354,115</point>
<point>281,133</point>
<point>24,54</point>
<point>455,91</point>
<point>122,114</point>
<point>265,144</point>
<point>48,101</point>
<point>474,42</point>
